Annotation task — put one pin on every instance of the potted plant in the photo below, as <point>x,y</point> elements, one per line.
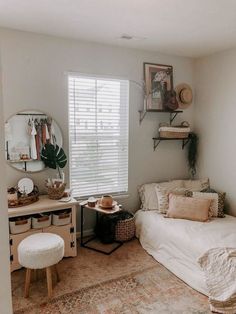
<point>192,153</point>
<point>54,157</point>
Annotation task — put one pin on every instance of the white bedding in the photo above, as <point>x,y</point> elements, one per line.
<point>179,243</point>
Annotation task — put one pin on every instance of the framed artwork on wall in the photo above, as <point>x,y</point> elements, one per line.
<point>158,80</point>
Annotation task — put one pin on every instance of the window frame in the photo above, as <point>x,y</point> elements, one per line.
<point>122,194</point>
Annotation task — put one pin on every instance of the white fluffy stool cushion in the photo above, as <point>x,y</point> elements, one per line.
<point>40,250</point>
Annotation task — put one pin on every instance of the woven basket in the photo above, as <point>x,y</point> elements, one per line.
<point>56,193</point>
<point>125,230</point>
<point>168,134</point>
<point>25,200</point>
<point>173,134</point>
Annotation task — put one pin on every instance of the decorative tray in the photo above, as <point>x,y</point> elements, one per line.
<point>24,200</point>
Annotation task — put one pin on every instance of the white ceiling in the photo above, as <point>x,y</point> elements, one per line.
<point>191,28</point>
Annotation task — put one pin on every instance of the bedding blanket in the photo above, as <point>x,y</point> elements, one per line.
<point>219,266</point>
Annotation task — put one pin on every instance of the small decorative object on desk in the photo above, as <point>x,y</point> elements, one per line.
<point>12,195</point>
<point>177,131</point>
<point>56,188</point>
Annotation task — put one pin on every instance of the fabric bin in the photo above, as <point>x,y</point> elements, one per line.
<point>41,220</point>
<point>19,224</point>
<point>61,218</point>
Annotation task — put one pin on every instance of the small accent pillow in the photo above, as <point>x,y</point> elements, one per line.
<point>163,196</point>
<point>182,207</point>
<point>197,185</point>
<point>221,200</point>
<point>214,201</point>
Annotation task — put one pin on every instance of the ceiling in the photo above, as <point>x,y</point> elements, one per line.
<point>192,28</point>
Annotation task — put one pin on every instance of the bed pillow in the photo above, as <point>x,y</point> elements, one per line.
<point>196,185</point>
<point>163,196</point>
<point>220,203</point>
<point>182,207</point>
<point>147,193</point>
<point>214,201</point>
<point>148,196</point>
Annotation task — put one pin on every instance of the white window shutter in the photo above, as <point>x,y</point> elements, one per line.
<point>98,131</point>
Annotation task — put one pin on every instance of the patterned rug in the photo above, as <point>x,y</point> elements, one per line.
<point>147,289</point>
<point>153,290</point>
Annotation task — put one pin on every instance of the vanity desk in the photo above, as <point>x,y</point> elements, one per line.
<point>57,211</point>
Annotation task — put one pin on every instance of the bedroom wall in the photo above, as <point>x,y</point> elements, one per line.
<point>215,114</point>
<point>5,286</point>
<point>34,68</point>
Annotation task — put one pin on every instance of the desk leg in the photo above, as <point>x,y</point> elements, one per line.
<point>81,224</point>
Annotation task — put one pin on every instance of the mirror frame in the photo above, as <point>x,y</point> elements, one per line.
<point>40,112</point>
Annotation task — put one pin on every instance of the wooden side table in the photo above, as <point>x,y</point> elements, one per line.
<point>98,211</point>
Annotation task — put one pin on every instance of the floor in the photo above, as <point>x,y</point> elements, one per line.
<point>95,283</point>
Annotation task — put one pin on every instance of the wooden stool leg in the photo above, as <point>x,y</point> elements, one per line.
<point>57,274</point>
<point>35,274</point>
<point>27,282</point>
<point>49,281</point>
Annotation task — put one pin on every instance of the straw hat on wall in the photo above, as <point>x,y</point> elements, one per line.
<point>184,95</point>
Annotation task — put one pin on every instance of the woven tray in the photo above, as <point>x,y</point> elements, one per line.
<point>25,200</point>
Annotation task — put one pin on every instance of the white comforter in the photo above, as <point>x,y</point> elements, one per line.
<point>179,243</point>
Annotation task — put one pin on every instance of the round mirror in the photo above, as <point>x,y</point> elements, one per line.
<point>25,135</point>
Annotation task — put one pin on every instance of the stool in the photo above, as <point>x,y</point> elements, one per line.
<point>38,251</point>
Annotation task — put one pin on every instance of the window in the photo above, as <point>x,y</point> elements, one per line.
<point>98,130</point>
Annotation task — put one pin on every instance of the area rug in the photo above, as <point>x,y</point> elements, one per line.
<point>144,287</point>
<point>153,290</point>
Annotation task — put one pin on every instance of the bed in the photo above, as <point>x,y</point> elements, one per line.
<point>177,243</point>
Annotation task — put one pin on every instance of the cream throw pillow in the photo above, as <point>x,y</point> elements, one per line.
<point>147,193</point>
<point>163,196</point>
<point>190,208</point>
<point>214,201</point>
<point>196,185</point>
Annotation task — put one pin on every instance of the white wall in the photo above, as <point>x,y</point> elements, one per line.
<point>215,116</point>
<point>34,69</point>
<point>5,287</point>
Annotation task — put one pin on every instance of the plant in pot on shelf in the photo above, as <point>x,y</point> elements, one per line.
<point>54,157</point>
<point>192,153</point>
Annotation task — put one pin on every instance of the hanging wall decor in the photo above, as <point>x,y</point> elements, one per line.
<point>158,81</point>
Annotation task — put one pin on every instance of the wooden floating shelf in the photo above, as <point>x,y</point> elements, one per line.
<point>172,113</point>
<point>157,140</point>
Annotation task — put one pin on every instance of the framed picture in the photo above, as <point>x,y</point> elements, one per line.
<point>158,80</point>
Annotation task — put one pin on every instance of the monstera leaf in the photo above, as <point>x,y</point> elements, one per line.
<point>53,156</point>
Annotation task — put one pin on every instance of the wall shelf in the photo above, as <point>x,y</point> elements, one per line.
<point>173,114</point>
<point>157,140</point>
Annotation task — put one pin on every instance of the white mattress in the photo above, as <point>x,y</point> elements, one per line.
<point>177,243</point>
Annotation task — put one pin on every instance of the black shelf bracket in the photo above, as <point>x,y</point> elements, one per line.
<point>172,114</point>
<point>158,140</point>
<point>142,114</point>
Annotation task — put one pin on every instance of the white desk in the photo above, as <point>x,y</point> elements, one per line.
<point>67,232</point>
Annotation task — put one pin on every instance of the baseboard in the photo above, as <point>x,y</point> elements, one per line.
<point>86,233</point>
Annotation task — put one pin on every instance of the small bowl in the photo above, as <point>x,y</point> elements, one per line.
<point>92,202</point>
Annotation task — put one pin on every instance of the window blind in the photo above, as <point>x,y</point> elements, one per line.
<point>98,130</point>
